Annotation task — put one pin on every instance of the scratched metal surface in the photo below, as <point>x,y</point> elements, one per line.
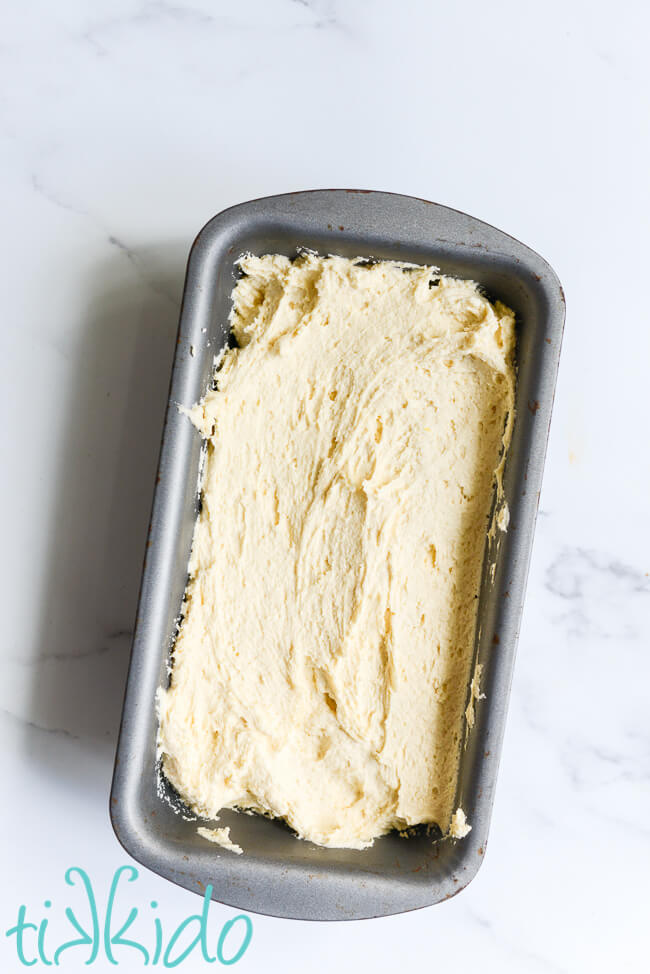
<point>280,875</point>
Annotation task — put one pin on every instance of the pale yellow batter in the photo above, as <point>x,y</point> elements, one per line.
<point>323,664</point>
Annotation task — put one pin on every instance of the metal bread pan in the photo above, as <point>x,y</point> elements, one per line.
<point>279,874</point>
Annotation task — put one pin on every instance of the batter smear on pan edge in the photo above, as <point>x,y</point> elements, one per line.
<point>354,446</point>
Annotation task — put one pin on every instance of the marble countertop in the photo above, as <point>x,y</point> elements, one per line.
<point>125,125</point>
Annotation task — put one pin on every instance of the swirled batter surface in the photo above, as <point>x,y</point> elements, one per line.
<point>355,442</point>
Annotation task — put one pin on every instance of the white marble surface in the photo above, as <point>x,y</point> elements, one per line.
<point>125,124</point>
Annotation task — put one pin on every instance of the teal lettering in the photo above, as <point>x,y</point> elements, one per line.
<point>117,939</point>
<point>41,938</point>
<point>19,929</point>
<point>90,936</point>
<point>85,938</point>
<point>201,936</point>
<point>227,927</point>
<point>159,935</point>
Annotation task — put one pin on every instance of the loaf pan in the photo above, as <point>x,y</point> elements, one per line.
<point>279,874</point>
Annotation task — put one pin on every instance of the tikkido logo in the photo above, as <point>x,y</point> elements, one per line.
<point>33,942</point>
